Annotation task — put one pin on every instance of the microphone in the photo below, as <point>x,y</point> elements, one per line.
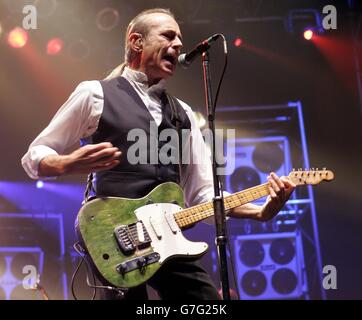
<point>186,59</point>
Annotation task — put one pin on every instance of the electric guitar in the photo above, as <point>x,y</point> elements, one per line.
<point>129,239</point>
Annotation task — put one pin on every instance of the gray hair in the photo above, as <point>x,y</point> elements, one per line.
<point>138,24</point>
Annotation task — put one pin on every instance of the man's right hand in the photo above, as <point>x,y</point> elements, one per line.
<point>90,158</point>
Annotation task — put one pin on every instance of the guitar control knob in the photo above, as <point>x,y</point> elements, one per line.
<point>141,262</point>
<point>121,269</point>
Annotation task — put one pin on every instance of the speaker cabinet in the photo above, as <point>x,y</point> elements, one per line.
<point>15,277</point>
<point>32,240</point>
<point>269,266</point>
<point>254,159</point>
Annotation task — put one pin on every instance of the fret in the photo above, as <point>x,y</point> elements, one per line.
<point>202,211</point>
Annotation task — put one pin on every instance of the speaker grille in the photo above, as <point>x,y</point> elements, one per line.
<point>284,281</point>
<point>251,253</point>
<point>253,283</point>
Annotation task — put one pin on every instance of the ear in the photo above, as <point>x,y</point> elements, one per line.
<point>135,40</point>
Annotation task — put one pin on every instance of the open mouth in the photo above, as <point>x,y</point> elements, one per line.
<point>169,58</point>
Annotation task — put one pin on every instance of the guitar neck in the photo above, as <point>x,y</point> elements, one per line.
<point>190,216</point>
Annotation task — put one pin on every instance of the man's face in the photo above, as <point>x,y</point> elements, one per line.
<point>161,47</point>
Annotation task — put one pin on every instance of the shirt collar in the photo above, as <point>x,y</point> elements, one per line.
<point>141,80</point>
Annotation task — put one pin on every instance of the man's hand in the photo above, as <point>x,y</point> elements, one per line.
<point>90,158</point>
<point>280,190</point>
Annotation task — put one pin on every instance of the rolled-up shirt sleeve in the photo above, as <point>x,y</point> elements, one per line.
<point>77,118</point>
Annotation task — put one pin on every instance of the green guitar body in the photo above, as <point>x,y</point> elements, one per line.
<point>97,221</point>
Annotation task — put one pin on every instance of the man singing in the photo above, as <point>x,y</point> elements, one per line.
<point>102,113</point>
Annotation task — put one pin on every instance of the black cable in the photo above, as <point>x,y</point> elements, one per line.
<point>77,269</point>
<point>89,270</point>
<point>223,71</point>
<point>232,267</point>
<point>73,278</point>
<point>214,109</point>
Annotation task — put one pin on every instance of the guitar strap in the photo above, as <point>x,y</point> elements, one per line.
<point>175,119</point>
<point>88,189</point>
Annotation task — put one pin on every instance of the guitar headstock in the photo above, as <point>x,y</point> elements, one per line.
<point>311,176</point>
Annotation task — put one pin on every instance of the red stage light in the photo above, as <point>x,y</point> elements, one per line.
<point>54,46</point>
<point>308,34</point>
<point>17,38</point>
<point>238,42</point>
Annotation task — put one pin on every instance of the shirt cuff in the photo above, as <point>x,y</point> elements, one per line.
<point>32,158</point>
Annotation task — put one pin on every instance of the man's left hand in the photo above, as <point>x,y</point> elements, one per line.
<point>280,190</point>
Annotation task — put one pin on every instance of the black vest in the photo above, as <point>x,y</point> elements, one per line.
<point>123,111</point>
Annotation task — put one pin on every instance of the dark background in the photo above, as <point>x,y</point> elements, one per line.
<point>283,68</point>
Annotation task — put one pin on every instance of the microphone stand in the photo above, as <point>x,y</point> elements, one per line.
<point>218,201</point>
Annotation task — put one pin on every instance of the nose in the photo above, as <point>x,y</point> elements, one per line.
<point>177,44</point>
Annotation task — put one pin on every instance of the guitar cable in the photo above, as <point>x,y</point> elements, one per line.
<point>80,250</point>
<point>214,110</point>
<point>232,265</point>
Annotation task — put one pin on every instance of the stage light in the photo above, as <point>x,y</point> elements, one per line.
<point>79,50</point>
<point>17,38</point>
<point>54,46</point>
<point>107,19</point>
<point>39,184</point>
<point>238,42</point>
<point>308,34</point>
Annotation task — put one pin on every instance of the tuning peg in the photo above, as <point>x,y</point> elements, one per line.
<point>293,169</point>
<point>324,169</point>
<point>317,169</point>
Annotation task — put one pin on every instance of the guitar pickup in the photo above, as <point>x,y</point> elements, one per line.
<point>171,222</point>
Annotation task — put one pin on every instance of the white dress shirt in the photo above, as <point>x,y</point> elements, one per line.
<point>79,116</point>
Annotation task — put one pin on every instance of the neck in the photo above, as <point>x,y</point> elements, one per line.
<point>135,65</point>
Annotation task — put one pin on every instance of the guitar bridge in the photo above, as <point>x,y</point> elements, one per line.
<point>132,237</point>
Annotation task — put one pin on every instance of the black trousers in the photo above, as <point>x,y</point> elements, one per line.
<point>178,279</point>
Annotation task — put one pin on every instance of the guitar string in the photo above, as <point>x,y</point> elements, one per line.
<point>231,200</point>
<point>192,215</point>
<point>199,212</point>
